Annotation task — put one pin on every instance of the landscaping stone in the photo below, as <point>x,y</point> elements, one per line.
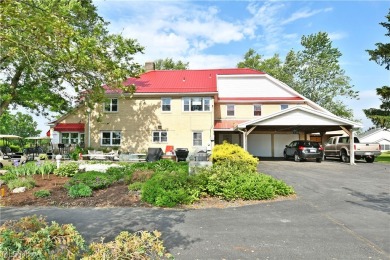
<point>19,190</point>
<point>97,167</point>
<point>1,182</point>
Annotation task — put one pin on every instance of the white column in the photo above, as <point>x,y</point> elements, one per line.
<point>352,148</point>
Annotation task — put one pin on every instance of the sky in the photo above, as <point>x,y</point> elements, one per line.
<point>217,34</point>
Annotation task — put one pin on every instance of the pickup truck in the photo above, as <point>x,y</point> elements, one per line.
<point>338,146</point>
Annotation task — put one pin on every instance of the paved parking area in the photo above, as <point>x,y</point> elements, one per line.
<point>342,212</point>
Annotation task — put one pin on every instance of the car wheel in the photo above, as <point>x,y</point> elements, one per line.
<point>318,160</point>
<point>370,159</point>
<point>297,158</point>
<point>344,157</point>
<point>285,156</point>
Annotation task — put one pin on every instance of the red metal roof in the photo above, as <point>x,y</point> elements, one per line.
<point>259,98</point>
<point>181,81</point>
<point>69,127</point>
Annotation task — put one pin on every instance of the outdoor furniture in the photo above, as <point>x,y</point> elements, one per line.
<point>132,157</point>
<point>181,154</point>
<point>154,154</point>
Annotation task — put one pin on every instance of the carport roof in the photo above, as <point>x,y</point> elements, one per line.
<point>300,118</point>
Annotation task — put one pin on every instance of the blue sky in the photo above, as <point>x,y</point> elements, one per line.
<point>217,34</point>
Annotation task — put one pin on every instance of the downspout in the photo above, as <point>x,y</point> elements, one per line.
<point>244,138</point>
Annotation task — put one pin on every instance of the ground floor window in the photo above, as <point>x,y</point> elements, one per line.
<point>160,137</point>
<point>197,138</point>
<point>72,138</point>
<point>111,138</point>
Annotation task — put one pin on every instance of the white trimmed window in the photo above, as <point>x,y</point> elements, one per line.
<point>230,110</point>
<point>111,105</point>
<point>257,110</point>
<point>283,106</point>
<point>197,138</point>
<point>72,138</point>
<point>196,104</point>
<point>165,104</point>
<point>160,136</point>
<point>111,138</point>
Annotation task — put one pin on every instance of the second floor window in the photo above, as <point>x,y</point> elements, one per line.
<point>166,104</point>
<point>230,110</point>
<point>283,106</point>
<point>257,110</point>
<point>111,105</point>
<point>196,104</point>
<point>160,136</point>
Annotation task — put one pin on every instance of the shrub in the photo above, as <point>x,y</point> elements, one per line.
<point>8,176</point>
<point>27,182</point>
<point>170,189</point>
<point>135,186</point>
<point>32,238</point>
<point>141,176</point>
<point>80,190</point>
<point>230,183</point>
<point>67,169</point>
<point>93,179</point>
<point>42,193</point>
<point>233,154</point>
<point>140,245</point>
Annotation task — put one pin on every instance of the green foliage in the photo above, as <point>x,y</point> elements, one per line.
<point>380,117</point>
<point>169,64</point>
<point>381,55</point>
<point>56,54</point>
<point>27,182</point>
<point>27,169</point>
<point>140,245</point>
<point>8,176</point>
<point>93,179</point>
<point>19,124</point>
<point>233,154</point>
<point>80,190</point>
<point>383,158</point>
<point>75,154</point>
<point>42,193</point>
<point>32,238</point>
<point>46,168</point>
<point>68,169</point>
<point>230,182</point>
<point>169,189</point>
<point>136,186</point>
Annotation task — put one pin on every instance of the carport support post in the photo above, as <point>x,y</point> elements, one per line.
<point>351,135</point>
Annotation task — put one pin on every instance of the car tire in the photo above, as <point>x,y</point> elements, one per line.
<point>285,156</point>
<point>296,157</point>
<point>319,160</point>
<point>344,157</point>
<point>370,159</point>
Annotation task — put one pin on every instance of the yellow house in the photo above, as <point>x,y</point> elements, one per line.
<point>196,109</point>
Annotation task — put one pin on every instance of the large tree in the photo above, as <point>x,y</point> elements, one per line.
<point>314,72</point>
<point>52,48</point>
<point>170,64</point>
<point>18,124</point>
<point>381,55</point>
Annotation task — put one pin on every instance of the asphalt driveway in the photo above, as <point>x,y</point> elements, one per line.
<point>342,212</point>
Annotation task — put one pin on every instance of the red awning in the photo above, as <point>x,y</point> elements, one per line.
<point>69,127</point>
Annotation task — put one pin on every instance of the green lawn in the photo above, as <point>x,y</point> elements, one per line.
<point>383,158</point>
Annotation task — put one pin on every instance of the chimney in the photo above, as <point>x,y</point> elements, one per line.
<point>149,66</point>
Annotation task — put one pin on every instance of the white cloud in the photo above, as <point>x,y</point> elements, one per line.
<point>333,36</point>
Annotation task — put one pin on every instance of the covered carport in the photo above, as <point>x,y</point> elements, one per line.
<point>300,121</point>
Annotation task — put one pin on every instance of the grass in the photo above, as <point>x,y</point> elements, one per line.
<point>383,158</point>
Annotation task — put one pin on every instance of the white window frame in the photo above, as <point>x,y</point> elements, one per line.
<point>168,100</point>
<point>189,104</point>
<point>73,137</point>
<point>160,136</point>
<point>231,110</point>
<point>109,107</point>
<point>196,139</point>
<point>112,138</point>
<point>283,106</point>
<point>254,109</point>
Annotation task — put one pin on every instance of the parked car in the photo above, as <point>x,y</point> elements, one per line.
<point>338,146</point>
<point>303,149</point>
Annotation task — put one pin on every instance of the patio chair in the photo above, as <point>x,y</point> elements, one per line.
<point>154,154</point>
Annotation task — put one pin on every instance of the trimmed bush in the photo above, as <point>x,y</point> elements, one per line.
<point>67,169</point>
<point>135,186</point>
<point>233,154</point>
<point>94,179</point>
<point>80,190</point>
<point>32,238</point>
